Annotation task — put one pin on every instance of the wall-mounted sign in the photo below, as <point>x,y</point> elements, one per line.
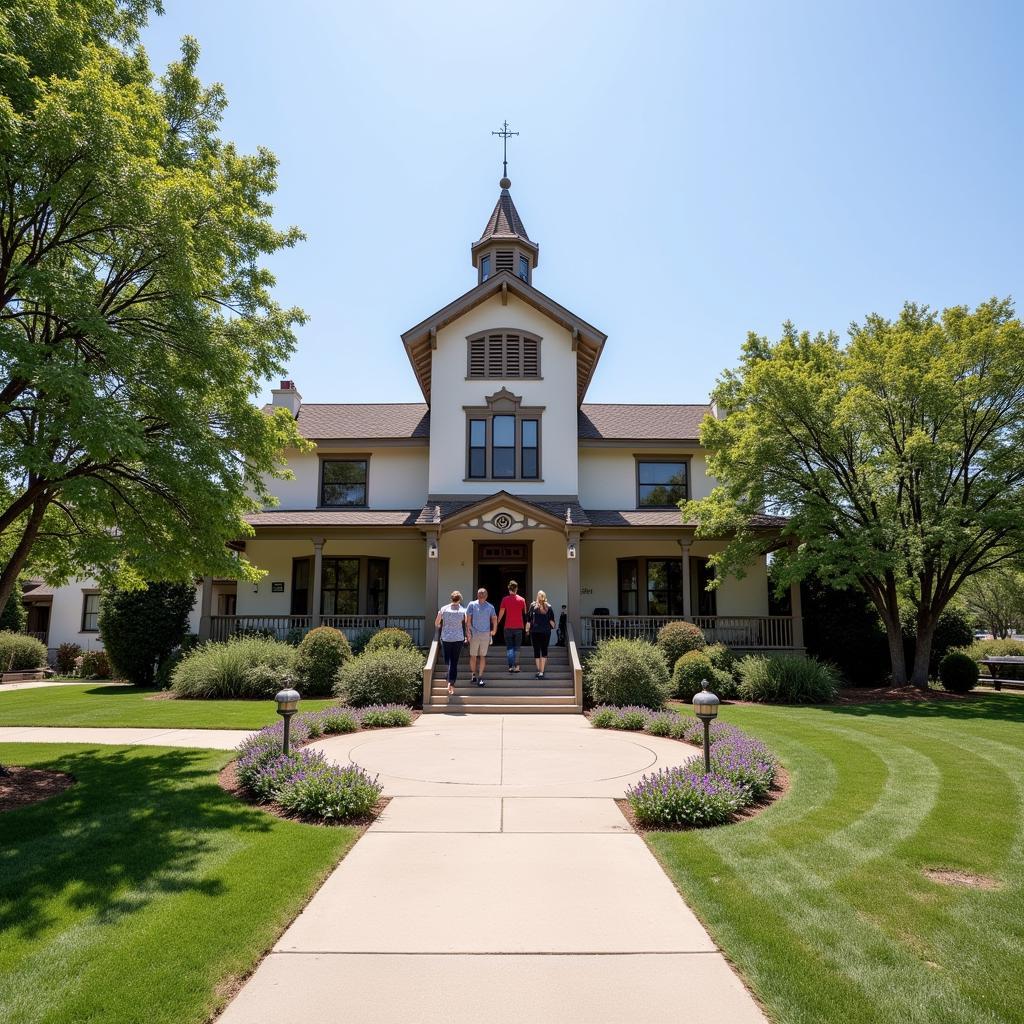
<point>277,588</point>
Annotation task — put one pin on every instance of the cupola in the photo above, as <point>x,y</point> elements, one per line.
<point>504,244</point>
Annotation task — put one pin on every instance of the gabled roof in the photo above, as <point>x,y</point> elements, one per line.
<point>440,513</point>
<point>388,420</point>
<point>420,340</point>
<point>598,422</point>
<point>332,517</point>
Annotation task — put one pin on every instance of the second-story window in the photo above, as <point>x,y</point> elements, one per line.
<point>343,482</point>
<point>503,447</point>
<point>661,483</point>
<point>503,440</point>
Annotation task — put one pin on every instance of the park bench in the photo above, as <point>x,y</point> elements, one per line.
<point>993,665</point>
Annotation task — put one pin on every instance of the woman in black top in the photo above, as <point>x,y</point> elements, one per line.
<point>540,620</point>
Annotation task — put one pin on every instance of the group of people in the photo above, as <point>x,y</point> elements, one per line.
<point>477,623</point>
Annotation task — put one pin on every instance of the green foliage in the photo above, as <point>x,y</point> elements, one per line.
<point>899,458</point>
<point>390,676</point>
<point>14,616</point>
<point>321,653</point>
<point>843,627</point>
<point>390,639</point>
<point>696,667</point>
<point>330,793</point>
<point>141,627</point>
<point>721,657</point>
<point>953,631</point>
<point>360,639</point>
<point>385,716</point>
<point>999,649</point>
<point>67,655</point>
<point>995,600</point>
<point>94,665</point>
<point>249,666</point>
<point>787,679</point>
<point>335,720</point>
<point>628,672</point>
<point>20,653</point>
<point>958,672</point>
<point>139,315</point>
<point>678,638</point>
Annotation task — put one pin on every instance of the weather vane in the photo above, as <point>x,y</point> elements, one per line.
<point>505,136</point>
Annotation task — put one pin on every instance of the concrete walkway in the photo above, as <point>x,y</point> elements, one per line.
<point>501,884</point>
<point>36,684</point>
<point>214,739</point>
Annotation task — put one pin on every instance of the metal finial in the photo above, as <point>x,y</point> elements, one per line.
<point>505,135</point>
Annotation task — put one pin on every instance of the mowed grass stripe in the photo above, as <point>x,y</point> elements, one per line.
<point>840,924</point>
<point>142,891</point>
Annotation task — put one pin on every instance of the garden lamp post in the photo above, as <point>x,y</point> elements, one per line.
<point>705,707</point>
<point>287,705</point>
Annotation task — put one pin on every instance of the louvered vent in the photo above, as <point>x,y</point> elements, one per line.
<point>503,259</point>
<point>477,358</point>
<point>513,356</point>
<point>495,355</point>
<point>504,355</point>
<point>531,358</point>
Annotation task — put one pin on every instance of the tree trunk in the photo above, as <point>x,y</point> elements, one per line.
<point>11,571</point>
<point>894,632</point>
<point>923,649</point>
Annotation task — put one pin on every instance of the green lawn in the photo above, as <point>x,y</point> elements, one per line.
<point>95,704</point>
<point>821,901</point>
<point>141,892</point>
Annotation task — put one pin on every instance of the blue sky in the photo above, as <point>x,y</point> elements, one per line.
<point>691,171</point>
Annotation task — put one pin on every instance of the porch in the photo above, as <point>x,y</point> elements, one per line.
<point>281,626</point>
<point>740,632</point>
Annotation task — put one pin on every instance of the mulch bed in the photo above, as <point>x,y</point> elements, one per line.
<point>881,694</point>
<point>26,786</point>
<point>228,779</point>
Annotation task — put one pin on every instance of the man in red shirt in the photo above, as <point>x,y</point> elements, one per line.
<point>512,611</point>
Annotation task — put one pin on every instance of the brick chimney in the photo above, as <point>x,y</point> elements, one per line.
<point>287,397</point>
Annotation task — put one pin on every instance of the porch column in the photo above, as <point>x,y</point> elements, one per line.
<point>205,607</point>
<point>318,569</point>
<point>572,585</point>
<point>796,610</point>
<point>687,609</point>
<point>430,593</point>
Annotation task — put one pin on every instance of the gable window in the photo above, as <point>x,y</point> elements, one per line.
<point>524,268</point>
<point>502,355</point>
<point>661,483</point>
<point>90,612</point>
<point>503,440</point>
<point>343,481</point>
<point>485,267</point>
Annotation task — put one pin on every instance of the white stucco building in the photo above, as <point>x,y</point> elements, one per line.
<point>383,520</point>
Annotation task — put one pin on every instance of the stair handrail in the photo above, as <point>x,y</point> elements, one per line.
<point>577,665</point>
<point>428,667</point>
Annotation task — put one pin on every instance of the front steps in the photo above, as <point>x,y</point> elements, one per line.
<point>505,693</point>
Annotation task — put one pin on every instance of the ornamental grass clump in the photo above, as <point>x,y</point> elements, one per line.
<point>245,666</point>
<point>384,716</point>
<point>787,679</point>
<point>684,795</point>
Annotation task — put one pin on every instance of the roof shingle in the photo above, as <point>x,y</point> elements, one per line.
<point>619,422</point>
<point>387,420</point>
<point>334,517</point>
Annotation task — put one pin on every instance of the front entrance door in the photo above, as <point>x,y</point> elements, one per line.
<point>496,564</point>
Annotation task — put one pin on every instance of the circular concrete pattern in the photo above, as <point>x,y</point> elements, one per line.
<point>496,756</point>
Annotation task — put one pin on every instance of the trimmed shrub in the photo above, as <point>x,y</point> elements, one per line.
<point>245,666</point>
<point>67,655</point>
<point>381,677</point>
<point>787,679</point>
<point>721,657</point>
<point>958,672</point>
<point>384,716</point>
<point>629,672</point>
<point>320,655</point>
<point>692,669</point>
<point>14,617</point>
<point>140,628</point>
<point>684,795</point>
<point>678,638</point>
<point>390,639</point>
<point>20,653</point>
<point>999,649</point>
<point>94,665</point>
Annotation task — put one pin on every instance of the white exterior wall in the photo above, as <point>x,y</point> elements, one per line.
<point>607,476</point>
<point>66,616</point>
<point>555,391</point>
<point>397,477</point>
<point>406,571</point>
<point>599,581</point>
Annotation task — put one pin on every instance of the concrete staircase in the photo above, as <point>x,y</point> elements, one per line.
<point>504,693</point>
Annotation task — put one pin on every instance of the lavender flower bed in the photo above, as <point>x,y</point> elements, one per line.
<point>743,770</point>
<point>304,782</point>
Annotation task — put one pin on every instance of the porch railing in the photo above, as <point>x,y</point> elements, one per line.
<point>41,637</point>
<point>752,632</point>
<point>280,626</point>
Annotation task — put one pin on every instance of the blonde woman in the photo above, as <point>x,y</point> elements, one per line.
<point>540,620</point>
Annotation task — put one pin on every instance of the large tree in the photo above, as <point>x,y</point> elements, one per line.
<point>899,458</point>
<point>136,320</point>
<point>996,600</point>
